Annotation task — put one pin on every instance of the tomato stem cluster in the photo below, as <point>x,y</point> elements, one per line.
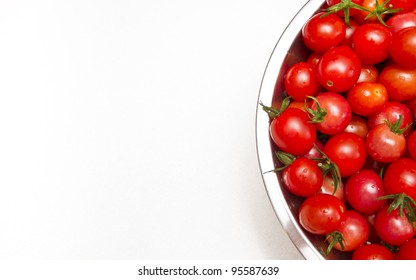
<point>404,203</point>
<point>346,5</point>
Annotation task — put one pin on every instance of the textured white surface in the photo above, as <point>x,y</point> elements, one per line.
<point>127,129</point>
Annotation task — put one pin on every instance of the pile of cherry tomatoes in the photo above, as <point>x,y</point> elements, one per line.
<point>344,128</point>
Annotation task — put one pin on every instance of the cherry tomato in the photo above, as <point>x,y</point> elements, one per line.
<point>400,21</point>
<point>354,230</point>
<point>363,190</point>
<point>391,112</point>
<point>338,69</point>
<point>363,17</point>
<point>407,251</point>
<point>349,32</point>
<point>302,177</point>
<point>300,81</point>
<point>369,73</point>
<point>338,112</point>
<point>358,125</point>
<point>400,82</point>
<point>393,228</point>
<point>322,33</point>
<point>347,151</point>
<point>384,145</point>
<point>371,43</point>
<point>341,13</point>
<point>372,252</point>
<point>315,153</point>
<point>314,58</point>
<point>366,98</point>
<point>400,177</point>
<point>321,213</point>
<point>292,132</point>
<point>402,47</point>
<point>328,187</point>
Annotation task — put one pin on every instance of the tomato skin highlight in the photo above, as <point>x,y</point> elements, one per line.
<point>339,69</point>
<point>347,151</point>
<point>321,213</point>
<point>292,132</point>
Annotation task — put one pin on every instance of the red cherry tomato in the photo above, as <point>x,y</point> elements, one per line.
<point>371,43</point>
<point>366,98</point>
<point>347,151</point>
<point>402,47</point>
<point>321,213</point>
<point>302,177</point>
<point>384,145</point>
<point>292,132</point>
<point>363,17</point>
<point>400,82</point>
<point>363,190</point>
<point>322,33</point>
<point>369,73</point>
<point>300,81</point>
<point>328,187</point>
<point>393,228</point>
<point>404,5</point>
<point>354,230</point>
<point>372,252</point>
<point>411,145</point>
<point>339,69</point>
<point>338,112</point>
<point>400,177</point>
<point>391,112</point>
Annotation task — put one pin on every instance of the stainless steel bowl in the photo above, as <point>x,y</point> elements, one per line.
<point>288,50</point>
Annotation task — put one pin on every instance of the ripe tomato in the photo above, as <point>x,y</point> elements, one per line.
<point>400,21</point>
<point>393,228</point>
<point>341,13</point>
<point>339,69</point>
<point>300,81</point>
<point>328,187</point>
<point>358,126</point>
<point>363,190</point>
<point>384,145</point>
<point>321,213</point>
<point>292,132</point>
<point>338,112</point>
<point>372,252</point>
<point>400,82</point>
<point>391,112</point>
<point>315,153</point>
<point>349,32</point>
<point>371,43</point>
<point>402,47</point>
<point>347,151</point>
<point>369,73</point>
<point>354,230</point>
<point>361,16</point>
<point>366,98</point>
<point>302,177</point>
<point>407,251</point>
<point>400,177</point>
<point>322,33</point>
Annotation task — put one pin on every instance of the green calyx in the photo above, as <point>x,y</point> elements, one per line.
<point>274,112</point>
<point>405,204</point>
<point>318,115</point>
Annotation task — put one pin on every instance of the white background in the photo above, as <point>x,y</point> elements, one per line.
<point>127,129</point>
